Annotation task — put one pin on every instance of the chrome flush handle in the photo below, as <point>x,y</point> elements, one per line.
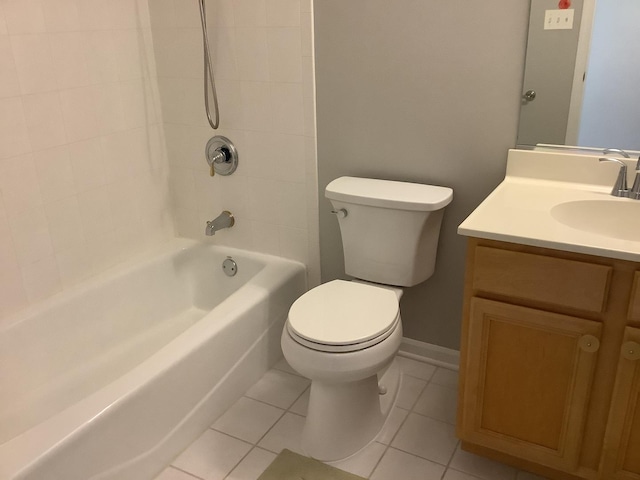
<point>340,213</point>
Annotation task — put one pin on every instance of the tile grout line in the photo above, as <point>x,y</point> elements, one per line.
<point>427,382</point>
<point>227,435</point>
<point>255,445</point>
<point>448,465</point>
<point>234,437</point>
<point>432,418</point>
<point>277,406</point>
<point>446,469</point>
<point>298,398</point>
<point>289,372</point>
<point>284,411</point>
<point>410,411</point>
<point>184,471</point>
<point>418,456</point>
<point>388,446</point>
<point>281,416</point>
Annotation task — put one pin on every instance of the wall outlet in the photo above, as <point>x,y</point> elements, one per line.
<point>558,19</point>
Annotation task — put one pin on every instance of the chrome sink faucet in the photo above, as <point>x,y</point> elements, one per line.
<point>620,188</point>
<point>608,151</point>
<point>224,220</point>
<point>635,190</point>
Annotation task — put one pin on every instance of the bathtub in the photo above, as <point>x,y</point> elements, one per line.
<point>113,379</point>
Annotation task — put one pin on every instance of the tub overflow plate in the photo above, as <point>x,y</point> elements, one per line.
<point>230,267</point>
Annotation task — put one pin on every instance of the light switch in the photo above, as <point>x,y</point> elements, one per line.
<point>558,19</point>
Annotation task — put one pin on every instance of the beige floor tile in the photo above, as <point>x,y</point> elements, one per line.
<point>446,377</point>
<point>439,402</point>
<point>171,473</point>
<point>397,465</point>
<point>410,390</point>
<point>364,461</point>
<point>456,475</point>
<point>421,370</point>
<point>212,456</point>
<point>300,406</point>
<point>248,419</point>
<point>278,388</point>
<point>286,433</point>
<point>282,365</point>
<point>392,425</point>
<point>427,438</point>
<point>252,466</point>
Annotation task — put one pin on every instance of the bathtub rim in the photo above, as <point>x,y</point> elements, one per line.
<point>156,253</point>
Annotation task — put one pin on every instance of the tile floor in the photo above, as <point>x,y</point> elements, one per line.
<point>417,443</point>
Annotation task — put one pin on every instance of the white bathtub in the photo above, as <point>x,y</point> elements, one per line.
<point>113,379</point>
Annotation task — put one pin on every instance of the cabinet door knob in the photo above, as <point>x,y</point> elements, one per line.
<point>589,343</point>
<point>631,350</point>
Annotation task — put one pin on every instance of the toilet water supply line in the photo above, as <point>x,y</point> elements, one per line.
<point>208,72</point>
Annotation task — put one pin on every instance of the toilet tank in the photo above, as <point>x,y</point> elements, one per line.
<point>390,230</point>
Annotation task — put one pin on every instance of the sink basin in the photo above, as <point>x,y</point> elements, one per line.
<point>610,218</point>
<point>560,201</point>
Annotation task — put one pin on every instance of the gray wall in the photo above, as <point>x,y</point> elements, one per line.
<point>424,91</point>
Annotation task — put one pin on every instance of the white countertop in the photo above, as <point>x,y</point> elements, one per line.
<point>519,210</point>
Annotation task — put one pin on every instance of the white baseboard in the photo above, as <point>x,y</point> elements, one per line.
<point>429,353</point>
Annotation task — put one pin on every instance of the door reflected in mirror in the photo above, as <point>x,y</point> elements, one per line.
<point>582,75</point>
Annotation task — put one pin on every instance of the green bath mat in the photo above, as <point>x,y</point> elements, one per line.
<point>291,466</point>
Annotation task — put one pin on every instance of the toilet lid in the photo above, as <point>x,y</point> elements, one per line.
<point>343,313</point>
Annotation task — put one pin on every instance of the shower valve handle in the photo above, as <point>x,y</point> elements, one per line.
<point>219,157</point>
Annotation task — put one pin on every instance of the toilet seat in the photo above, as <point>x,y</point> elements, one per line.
<point>342,348</point>
<point>341,316</point>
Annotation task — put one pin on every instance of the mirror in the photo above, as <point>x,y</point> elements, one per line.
<point>582,74</point>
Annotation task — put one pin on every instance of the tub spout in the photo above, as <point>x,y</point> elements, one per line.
<point>224,220</point>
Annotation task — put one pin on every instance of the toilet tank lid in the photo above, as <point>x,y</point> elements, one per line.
<point>389,194</point>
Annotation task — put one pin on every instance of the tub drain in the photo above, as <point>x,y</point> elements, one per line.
<point>230,267</point>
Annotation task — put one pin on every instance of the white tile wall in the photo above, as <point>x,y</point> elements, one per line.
<point>262,55</point>
<point>83,169</point>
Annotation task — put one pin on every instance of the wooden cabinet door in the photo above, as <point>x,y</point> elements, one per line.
<point>527,380</point>
<point>621,454</point>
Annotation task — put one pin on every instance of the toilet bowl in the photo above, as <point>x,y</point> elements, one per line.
<point>343,355</point>
<point>344,335</point>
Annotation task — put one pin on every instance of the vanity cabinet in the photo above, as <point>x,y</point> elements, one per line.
<point>527,389</point>
<point>545,383</point>
<point>621,458</point>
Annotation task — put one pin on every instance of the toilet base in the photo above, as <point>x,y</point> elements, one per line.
<point>343,418</point>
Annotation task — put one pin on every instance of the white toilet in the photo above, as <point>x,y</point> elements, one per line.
<point>344,335</point>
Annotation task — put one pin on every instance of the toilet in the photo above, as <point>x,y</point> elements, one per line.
<point>344,335</point>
